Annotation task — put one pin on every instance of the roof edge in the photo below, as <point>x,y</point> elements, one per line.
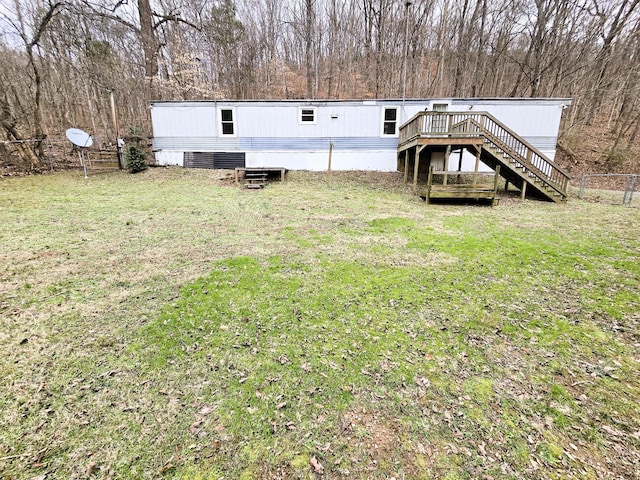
<point>381,100</point>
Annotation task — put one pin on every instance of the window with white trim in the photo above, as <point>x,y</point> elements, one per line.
<point>390,121</point>
<point>227,122</point>
<point>308,115</point>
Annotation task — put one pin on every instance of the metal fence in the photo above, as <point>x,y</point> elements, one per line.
<point>616,188</point>
<point>100,158</point>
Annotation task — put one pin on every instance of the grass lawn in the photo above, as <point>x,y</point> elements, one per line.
<point>170,324</point>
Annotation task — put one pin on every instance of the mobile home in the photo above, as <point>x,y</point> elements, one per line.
<point>297,134</point>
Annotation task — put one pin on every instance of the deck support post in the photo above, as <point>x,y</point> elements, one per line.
<point>416,164</point>
<point>476,168</point>
<point>406,165</point>
<point>447,154</point>
<point>523,192</point>
<point>495,186</point>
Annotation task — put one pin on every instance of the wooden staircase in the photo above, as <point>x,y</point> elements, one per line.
<point>491,142</point>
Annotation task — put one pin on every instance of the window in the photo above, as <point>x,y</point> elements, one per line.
<point>308,115</point>
<point>227,126</point>
<point>390,122</point>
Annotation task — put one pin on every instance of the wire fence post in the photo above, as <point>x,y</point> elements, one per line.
<point>48,143</point>
<point>582,184</point>
<point>629,189</point>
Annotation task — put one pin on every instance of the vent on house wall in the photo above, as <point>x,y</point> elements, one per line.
<point>198,159</point>
<point>228,160</point>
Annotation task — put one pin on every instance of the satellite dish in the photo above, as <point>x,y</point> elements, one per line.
<point>79,138</point>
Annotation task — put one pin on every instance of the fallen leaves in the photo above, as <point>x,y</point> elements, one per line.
<point>283,360</point>
<point>90,468</point>
<point>423,382</point>
<point>205,411</point>
<point>612,431</point>
<point>317,466</point>
<point>195,426</point>
<point>168,465</point>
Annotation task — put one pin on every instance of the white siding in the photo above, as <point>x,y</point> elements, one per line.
<point>269,120</point>
<point>188,120</point>
<point>271,135</point>
<point>319,161</point>
<point>168,157</point>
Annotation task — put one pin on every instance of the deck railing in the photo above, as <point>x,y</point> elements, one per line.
<point>496,136</point>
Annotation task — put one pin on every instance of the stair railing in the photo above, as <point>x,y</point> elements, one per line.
<point>526,155</point>
<point>477,124</point>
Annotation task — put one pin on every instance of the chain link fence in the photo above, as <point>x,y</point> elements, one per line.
<point>614,188</point>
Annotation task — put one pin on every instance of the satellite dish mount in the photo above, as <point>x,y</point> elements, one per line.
<point>82,140</point>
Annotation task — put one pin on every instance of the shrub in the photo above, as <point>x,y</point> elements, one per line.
<point>616,157</point>
<point>136,158</point>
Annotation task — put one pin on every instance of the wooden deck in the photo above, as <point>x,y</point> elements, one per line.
<point>443,184</point>
<point>489,141</point>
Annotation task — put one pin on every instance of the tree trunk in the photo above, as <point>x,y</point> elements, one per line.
<point>149,47</point>
<point>38,129</point>
<point>439,79</point>
<point>9,123</point>
<point>308,33</point>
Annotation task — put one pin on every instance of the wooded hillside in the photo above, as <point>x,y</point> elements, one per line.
<point>61,59</point>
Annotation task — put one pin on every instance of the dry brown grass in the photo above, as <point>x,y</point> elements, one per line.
<point>87,266</point>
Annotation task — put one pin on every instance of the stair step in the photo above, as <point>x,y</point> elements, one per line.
<point>537,181</point>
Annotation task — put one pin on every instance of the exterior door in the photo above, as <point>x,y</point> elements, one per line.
<point>439,123</point>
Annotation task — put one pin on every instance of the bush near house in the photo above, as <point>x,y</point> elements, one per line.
<point>136,158</point>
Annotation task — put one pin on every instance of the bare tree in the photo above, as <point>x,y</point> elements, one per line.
<point>146,27</point>
<point>63,56</point>
<point>613,19</point>
<point>30,30</point>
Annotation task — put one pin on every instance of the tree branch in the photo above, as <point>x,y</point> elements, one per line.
<point>52,12</point>
<point>173,18</point>
<point>119,4</point>
<point>111,16</point>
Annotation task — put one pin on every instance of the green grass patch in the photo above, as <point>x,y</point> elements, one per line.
<point>214,332</point>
